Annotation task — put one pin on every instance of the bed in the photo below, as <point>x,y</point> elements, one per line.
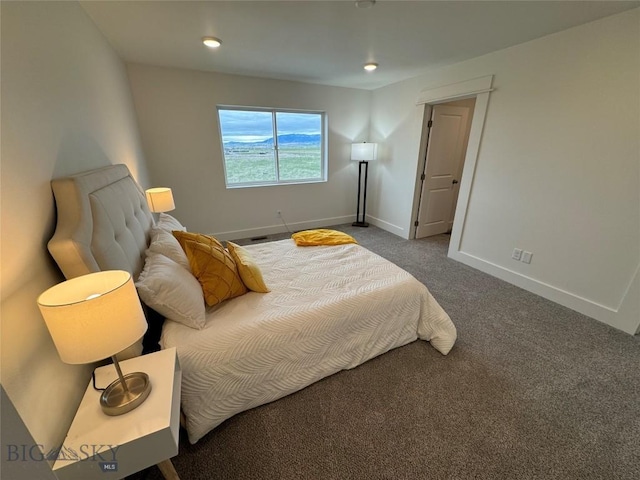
<point>330,308</point>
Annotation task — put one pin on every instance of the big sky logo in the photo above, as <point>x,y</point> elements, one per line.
<point>105,454</point>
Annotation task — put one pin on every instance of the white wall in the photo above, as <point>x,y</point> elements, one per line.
<point>66,107</point>
<point>558,168</point>
<point>177,115</point>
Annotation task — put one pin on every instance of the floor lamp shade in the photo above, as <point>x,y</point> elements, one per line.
<point>160,199</point>
<point>94,316</point>
<point>366,152</point>
<point>363,153</point>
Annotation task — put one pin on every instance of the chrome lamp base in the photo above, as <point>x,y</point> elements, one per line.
<point>126,393</point>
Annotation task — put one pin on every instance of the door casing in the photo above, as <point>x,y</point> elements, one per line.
<point>481,89</point>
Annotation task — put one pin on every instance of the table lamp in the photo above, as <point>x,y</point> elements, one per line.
<point>94,317</point>
<point>160,199</point>
<point>363,153</point>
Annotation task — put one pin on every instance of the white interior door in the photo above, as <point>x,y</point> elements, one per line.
<point>443,169</point>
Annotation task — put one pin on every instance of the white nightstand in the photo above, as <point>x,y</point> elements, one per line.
<point>108,448</point>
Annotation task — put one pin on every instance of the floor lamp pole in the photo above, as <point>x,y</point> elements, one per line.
<point>362,223</point>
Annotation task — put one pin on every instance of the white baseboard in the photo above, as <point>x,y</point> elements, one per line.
<point>602,313</point>
<point>280,228</point>
<point>389,227</point>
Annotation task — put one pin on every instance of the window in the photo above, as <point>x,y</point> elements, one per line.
<point>263,146</point>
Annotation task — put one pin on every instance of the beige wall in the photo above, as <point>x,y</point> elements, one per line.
<point>178,121</point>
<point>66,107</point>
<point>558,167</point>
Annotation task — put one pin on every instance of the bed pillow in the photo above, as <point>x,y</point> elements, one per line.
<point>184,237</point>
<point>321,236</point>
<point>169,289</point>
<point>169,223</point>
<point>216,271</point>
<point>165,243</point>
<point>249,271</point>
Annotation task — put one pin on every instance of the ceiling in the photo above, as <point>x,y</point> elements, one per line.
<point>328,42</point>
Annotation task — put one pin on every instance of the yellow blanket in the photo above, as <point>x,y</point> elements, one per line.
<point>321,236</point>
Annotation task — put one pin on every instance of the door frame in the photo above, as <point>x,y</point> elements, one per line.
<point>480,88</point>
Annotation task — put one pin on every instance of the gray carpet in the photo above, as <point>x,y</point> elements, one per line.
<point>531,390</point>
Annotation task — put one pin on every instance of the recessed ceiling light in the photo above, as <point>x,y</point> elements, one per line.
<point>211,42</point>
<point>365,3</point>
<point>370,67</point>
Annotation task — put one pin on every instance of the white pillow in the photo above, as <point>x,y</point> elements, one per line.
<point>169,223</point>
<point>165,243</point>
<point>171,291</point>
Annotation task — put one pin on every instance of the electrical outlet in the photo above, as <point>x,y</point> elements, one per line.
<point>526,256</point>
<point>517,254</point>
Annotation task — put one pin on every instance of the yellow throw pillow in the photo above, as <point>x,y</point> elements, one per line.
<point>184,237</point>
<point>249,272</point>
<point>216,271</point>
<point>321,236</point>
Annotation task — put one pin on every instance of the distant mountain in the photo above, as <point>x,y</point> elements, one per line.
<point>288,139</point>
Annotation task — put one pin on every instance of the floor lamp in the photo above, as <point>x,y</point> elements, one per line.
<point>363,153</point>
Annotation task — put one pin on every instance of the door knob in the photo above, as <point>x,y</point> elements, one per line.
<point>454,181</point>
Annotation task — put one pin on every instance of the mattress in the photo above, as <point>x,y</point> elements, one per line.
<point>330,308</point>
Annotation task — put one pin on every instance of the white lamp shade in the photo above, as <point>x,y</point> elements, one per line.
<point>94,316</point>
<point>364,151</point>
<point>160,199</point>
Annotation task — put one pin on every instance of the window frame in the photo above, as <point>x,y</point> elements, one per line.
<point>324,167</point>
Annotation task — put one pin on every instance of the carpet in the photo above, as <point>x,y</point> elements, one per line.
<point>531,390</point>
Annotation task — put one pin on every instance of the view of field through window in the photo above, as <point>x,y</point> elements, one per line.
<point>250,153</point>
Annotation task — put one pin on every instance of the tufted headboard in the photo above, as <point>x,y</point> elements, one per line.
<point>103,222</point>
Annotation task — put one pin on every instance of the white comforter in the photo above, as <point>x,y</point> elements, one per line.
<point>330,308</point>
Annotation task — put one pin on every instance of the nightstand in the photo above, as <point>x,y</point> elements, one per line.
<point>109,448</point>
